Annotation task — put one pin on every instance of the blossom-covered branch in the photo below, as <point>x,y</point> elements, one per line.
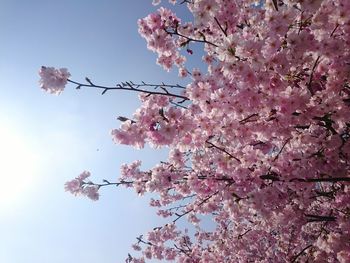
<point>258,140</point>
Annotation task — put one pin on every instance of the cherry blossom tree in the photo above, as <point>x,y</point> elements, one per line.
<point>259,142</point>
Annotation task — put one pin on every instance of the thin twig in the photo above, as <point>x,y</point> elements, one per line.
<point>223,30</point>
<point>312,74</point>
<point>223,150</point>
<point>133,87</point>
<point>191,210</point>
<point>334,30</point>
<point>276,157</point>
<point>300,253</point>
<point>247,119</point>
<point>175,32</point>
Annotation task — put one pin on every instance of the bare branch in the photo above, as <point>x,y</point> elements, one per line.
<point>300,253</point>
<point>222,29</point>
<point>130,86</point>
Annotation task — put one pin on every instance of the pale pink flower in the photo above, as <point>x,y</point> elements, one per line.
<point>343,256</point>
<point>84,175</point>
<point>73,186</point>
<point>53,80</point>
<point>136,247</point>
<point>91,192</point>
<point>156,2</point>
<point>182,72</point>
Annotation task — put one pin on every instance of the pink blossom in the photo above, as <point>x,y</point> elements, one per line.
<point>156,2</point>
<point>53,80</point>
<point>73,186</point>
<point>91,192</point>
<point>79,186</point>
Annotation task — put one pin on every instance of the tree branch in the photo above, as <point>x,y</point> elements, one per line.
<point>222,29</point>
<point>223,150</point>
<point>175,32</point>
<point>130,86</point>
<point>300,253</point>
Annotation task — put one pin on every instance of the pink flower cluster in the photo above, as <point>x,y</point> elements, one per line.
<point>79,186</point>
<point>154,28</point>
<point>263,147</point>
<point>53,80</point>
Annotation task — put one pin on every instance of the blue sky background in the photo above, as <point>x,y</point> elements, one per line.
<point>98,39</point>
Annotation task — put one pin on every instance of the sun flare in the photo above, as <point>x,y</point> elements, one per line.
<point>18,165</point>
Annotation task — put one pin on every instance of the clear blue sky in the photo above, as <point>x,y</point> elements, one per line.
<point>39,222</point>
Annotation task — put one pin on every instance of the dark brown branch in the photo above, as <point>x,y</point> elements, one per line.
<point>175,32</point>
<point>186,1</point>
<point>329,194</point>
<point>107,183</point>
<point>274,177</point>
<point>123,119</point>
<point>140,240</point>
<point>130,86</point>
<point>191,210</point>
<point>336,27</point>
<point>276,157</point>
<point>312,74</point>
<point>300,253</point>
<point>222,29</point>
<point>243,234</point>
<point>182,250</point>
<point>248,119</point>
<point>275,5</point>
<point>318,218</point>
<point>270,176</point>
<point>303,127</point>
<point>319,180</point>
<point>326,122</point>
<point>223,150</point>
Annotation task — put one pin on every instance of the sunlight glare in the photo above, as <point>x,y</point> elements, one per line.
<point>18,166</point>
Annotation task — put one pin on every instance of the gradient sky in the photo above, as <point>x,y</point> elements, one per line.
<point>46,140</point>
